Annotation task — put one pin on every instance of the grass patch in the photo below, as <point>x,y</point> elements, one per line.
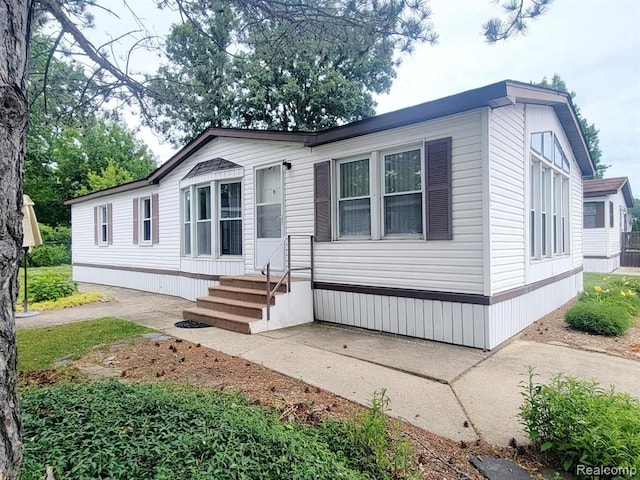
<point>39,273</point>
<point>39,347</point>
<point>74,300</point>
<point>121,431</point>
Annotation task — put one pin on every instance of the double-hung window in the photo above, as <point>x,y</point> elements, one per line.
<point>203,220</point>
<point>548,197</point>
<point>403,193</point>
<point>230,218</point>
<point>145,219</point>
<point>103,224</point>
<point>593,215</point>
<point>354,198</point>
<point>186,224</point>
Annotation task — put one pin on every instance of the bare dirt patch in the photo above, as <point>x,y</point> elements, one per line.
<point>553,329</point>
<point>178,361</point>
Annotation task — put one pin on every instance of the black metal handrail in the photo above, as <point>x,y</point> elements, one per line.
<point>266,269</point>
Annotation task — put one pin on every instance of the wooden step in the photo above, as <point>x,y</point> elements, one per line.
<point>237,293</point>
<point>229,305</point>
<point>255,282</point>
<point>227,321</point>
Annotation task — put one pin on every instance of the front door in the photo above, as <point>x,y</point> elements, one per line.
<point>269,208</point>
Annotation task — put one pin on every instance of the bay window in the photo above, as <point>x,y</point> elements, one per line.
<point>212,219</point>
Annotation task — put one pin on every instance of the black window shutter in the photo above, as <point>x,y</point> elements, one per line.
<point>322,201</point>
<point>599,214</point>
<point>155,219</point>
<point>110,223</point>
<point>136,228</point>
<point>438,189</point>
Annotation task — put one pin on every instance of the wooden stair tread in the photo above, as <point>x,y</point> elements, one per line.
<point>231,301</point>
<point>248,291</point>
<point>254,278</point>
<point>207,312</point>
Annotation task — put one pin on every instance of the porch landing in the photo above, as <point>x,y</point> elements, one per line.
<point>239,304</point>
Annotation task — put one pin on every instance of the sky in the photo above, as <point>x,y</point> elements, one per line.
<point>593,45</point>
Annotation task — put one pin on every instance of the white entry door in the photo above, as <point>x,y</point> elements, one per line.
<point>269,210</point>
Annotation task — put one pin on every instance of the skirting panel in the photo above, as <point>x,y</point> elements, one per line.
<point>174,285</point>
<point>450,322</point>
<point>601,265</point>
<point>507,318</point>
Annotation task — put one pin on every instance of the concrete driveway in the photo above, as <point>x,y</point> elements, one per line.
<point>435,386</point>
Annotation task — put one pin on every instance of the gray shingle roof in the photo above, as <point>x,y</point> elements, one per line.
<point>208,166</point>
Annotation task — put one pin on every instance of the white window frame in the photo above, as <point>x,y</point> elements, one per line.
<point>143,219</point>
<point>370,196</point>
<point>383,194</point>
<point>187,222</point>
<point>103,224</point>
<point>549,198</point>
<point>377,194</point>
<point>220,220</point>
<point>198,221</point>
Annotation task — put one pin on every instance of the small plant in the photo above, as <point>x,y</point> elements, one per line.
<point>601,318</point>
<point>73,300</point>
<point>371,443</point>
<point>51,287</point>
<point>582,423</point>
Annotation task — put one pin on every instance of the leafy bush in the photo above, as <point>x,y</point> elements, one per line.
<point>55,249</point>
<point>599,317</point>
<point>51,287</point>
<point>620,291</point>
<point>49,256</point>
<point>582,423</point>
<point>122,431</point>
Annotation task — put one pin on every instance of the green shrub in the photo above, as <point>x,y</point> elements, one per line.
<point>582,423</point>
<point>599,317</point>
<point>122,431</point>
<point>620,291</point>
<point>49,256</point>
<point>51,287</point>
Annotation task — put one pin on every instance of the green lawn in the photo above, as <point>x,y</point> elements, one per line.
<point>38,348</point>
<point>37,272</point>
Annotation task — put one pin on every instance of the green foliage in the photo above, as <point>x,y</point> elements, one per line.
<point>122,431</point>
<point>591,133</point>
<point>50,287</point>
<point>581,423</point>
<point>369,444</point>
<point>55,249</point>
<point>35,273</point>
<point>285,73</point>
<point>49,256</point>
<point>110,176</point>
<point>635,226</point>
<point>599,317</point>
<point>39,347</point>
<point>635,210</point>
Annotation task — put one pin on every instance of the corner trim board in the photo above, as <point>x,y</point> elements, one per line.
<point>154,271</point>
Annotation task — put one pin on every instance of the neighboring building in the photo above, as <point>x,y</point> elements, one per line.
<point>606,218</point>
<point>457,220</point>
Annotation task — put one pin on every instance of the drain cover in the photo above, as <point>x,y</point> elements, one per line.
<point>190,324</point>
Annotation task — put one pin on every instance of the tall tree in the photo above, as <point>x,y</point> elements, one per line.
<point>113,79</point>
<point>591,133</point>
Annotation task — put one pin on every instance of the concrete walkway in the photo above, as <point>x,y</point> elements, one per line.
<point>432,385</point>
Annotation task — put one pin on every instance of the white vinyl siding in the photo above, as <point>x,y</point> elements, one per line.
<point>605,241</point>
<point>507,164</point>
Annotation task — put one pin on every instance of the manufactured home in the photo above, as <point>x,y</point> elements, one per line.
<point>457,220</point>
<point>606,222</point>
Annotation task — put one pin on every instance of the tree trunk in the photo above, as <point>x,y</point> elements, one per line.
<point>15,26</point>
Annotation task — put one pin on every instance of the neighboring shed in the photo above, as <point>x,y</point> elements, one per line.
<point>606,219</point>
<point>457,220</point>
